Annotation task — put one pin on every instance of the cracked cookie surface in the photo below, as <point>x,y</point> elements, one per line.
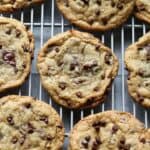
<point>29,124</point>
<point>143,10</point>
<point>76,69</point>
<point>16,50</point>
<point>96,14</point>
<point>137,59</point>
<point>12,5</point>
<point>110,130</point>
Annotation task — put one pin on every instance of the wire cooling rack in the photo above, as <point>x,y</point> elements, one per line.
<point>45,21</point>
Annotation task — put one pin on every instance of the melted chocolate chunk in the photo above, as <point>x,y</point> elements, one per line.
<point>86,2</point>
<point>96,144</point>
<point>22,139</point>
<point>79,94</point>
<point>73,65</point>
<point>9,58</point>
<point>26,48</point>
<point>98,124</point>
<point>142,140</point>
<point>90,66</point>
<point>99,2</point>
<point>108,59</point>
<point>122,144</point>
<point>85,142</point>
<point>18,33</point>
<point>27,105</point>
<point>114,129</point>
<point>62,85</point>
<point>30,128</point>
<point>8,31</point>
<point>10,120</point>
<point>44,118</point>
<point>14,140</point>
<point>49,138</point>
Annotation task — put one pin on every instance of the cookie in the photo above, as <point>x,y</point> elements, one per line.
<point>76,69</point>
<point>27,124</point>
<point>143,10</point>
<point>110,130</point>
<point>99,15</point>
<point>137,59</point>
<point>12,5</point>
<point>16,50</point>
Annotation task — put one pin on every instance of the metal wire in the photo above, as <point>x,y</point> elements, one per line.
<point>62,25</point>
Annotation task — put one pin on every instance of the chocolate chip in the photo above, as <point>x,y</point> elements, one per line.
<point>49,138</point>
<point>44,118</point>
<point>73,64</point>
<point>122,140</point>
<point>59,126</point>
<point>141,7</point>
<point>14,140</point>
<point>18,33</point>
<point>98,12</point>
<point>97,47</point>
<point>84,144</point>
<point>22,139</point>
<point>142,140</point>
<point>114,129</point>
<point>1,46</point>
<point>108,57</point>
<point>96,89</point>
<point>86,2</point>
<point>26,48</point>
<point>120,5</point>
<point>96,144</point>
<point>113,4</point>
<point>89,66</point>
<point>98,124</point>
<point>9,58</point>
<point>87,138</point>
<point>62,85</point>
<point>8,31</point>
<point>79,94</point>
<point>27,105</point>
<point>10,120</point>
<point>99,2</point>
<point>30,128</point>
<point>104,20</point>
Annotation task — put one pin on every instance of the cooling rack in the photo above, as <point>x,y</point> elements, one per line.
<point>45,21</point>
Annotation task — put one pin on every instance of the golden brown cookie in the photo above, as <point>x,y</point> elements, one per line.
<point>29,124</point>
<point>99,15</point>
<point>143,10</point>
<point>110,130</point>
<point>16,50</point>
<point>137,59</point>
<point>12,5</point>
<point>76,69</point>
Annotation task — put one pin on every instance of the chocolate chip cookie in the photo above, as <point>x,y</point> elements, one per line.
<point>76,69</point>
<point>137,59</point>
<point>143,10</point>
<point>12,5</point>
<point>16,49</point>
<point>109,130</point>
<point>99,15</point>
<point>29,124</point>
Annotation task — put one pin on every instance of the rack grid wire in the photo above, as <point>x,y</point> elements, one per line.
<point>45,21</point>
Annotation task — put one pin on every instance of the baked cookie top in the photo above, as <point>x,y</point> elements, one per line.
<point>29,124</point>
<point>137,59</point>
<point>96,14</point>
<point>143,10</point>
<point>109,130</point>
<point>16,49</point>
<point>12,5</point>
<point>76,69</point>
